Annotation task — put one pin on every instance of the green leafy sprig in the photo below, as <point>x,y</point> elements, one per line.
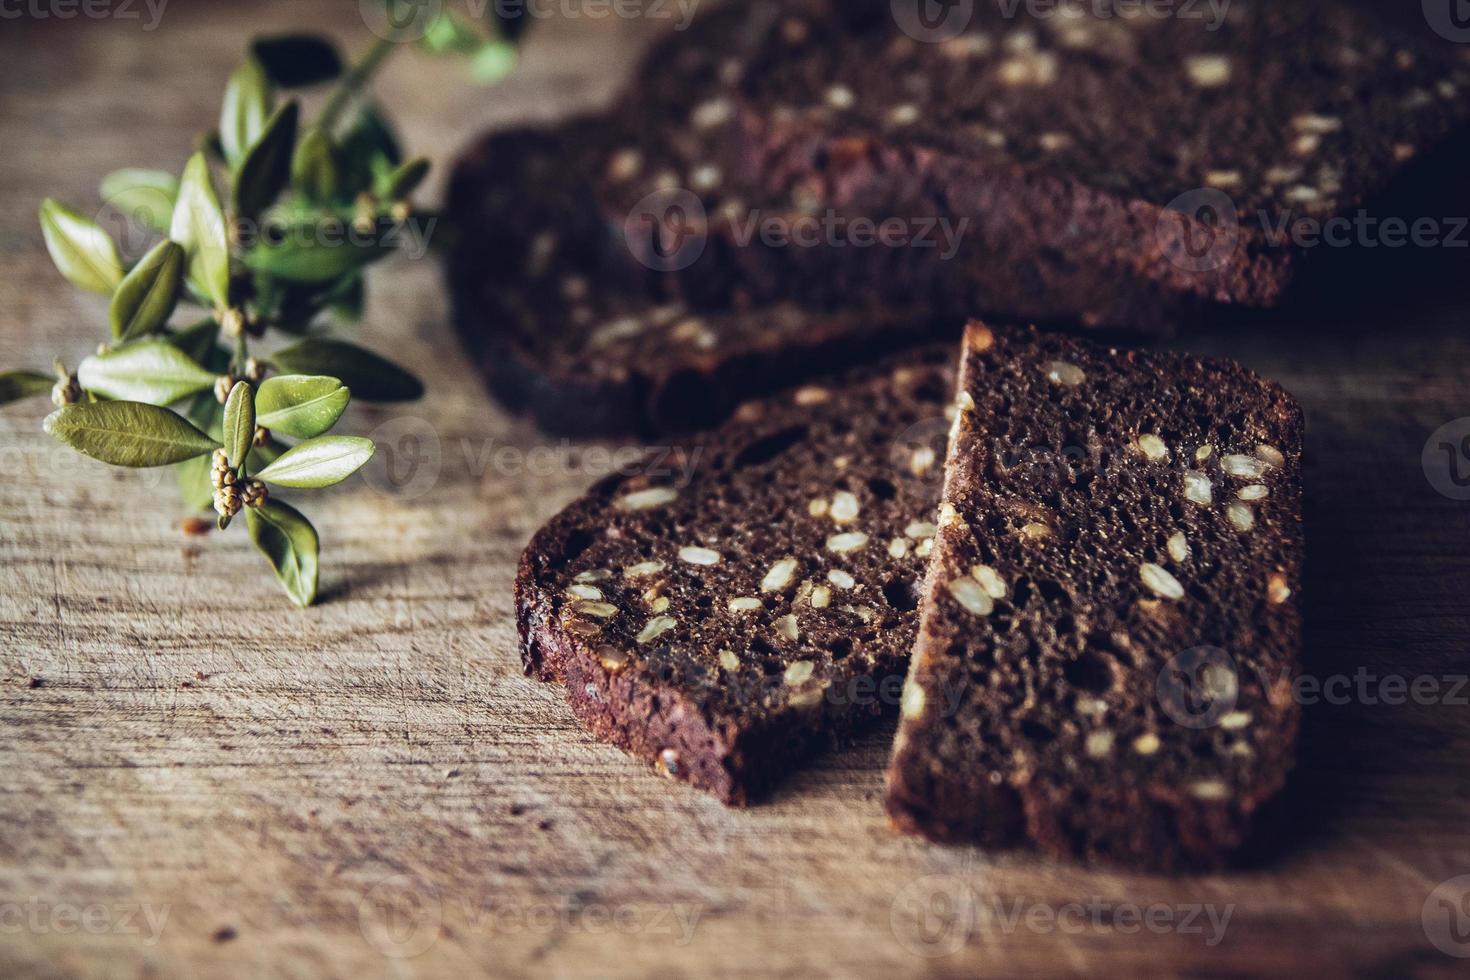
<point>270,226</point>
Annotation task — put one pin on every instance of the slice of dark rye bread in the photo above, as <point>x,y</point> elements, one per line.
<point>730,609</point>
<point>1091,150</point>
<point>1050,138</point>
<point>1108,628</point>
<point>570,329</point>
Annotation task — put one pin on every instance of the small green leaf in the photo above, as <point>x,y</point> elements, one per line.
<point>128,433</point>
<point>297,60</point>
<point>83,252</point>
<point>199,225</point>
<point>152,371</point>
<point>290,543</point>
<point>493,62</point>
<point>208,414</point>
<point>147,295</point>
<point>145,196</point>
<point>194,482</point>
<point>209,144</point>
<point>316,252</point>
<point>314,167</point>
<point>239,424</point>
<point>319,462</point>
<point>368,145</point>
<point>347,300</point>
<point>301,406</point>
<point>406,179</point>
<point>290,307</point>
<point>371,378</point>
<point>248,102</point>
<point>197,340</point>
<point>15,385</point>
<point>263,456</point>
<point>266,167</point>
<point>372,131</point>
<point>451,34</point>
<point>194,477</point>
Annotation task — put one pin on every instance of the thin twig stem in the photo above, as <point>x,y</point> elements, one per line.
<point>354,80</point>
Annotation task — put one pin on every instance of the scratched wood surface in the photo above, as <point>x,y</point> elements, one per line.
<point>198,780</point>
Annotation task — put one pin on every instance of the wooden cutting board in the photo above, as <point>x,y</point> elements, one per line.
<point>198,780</point>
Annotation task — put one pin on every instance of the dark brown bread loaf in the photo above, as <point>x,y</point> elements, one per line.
<point>733,607</point>
<point>570,329</point>
<point>1092,152</point>
<point>1109,630</point>
<point>1030,164</point>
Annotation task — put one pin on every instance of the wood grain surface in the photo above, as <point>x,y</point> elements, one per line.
<point>196,779</point>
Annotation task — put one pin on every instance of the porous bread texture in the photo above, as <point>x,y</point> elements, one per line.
<point>727,610</point>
